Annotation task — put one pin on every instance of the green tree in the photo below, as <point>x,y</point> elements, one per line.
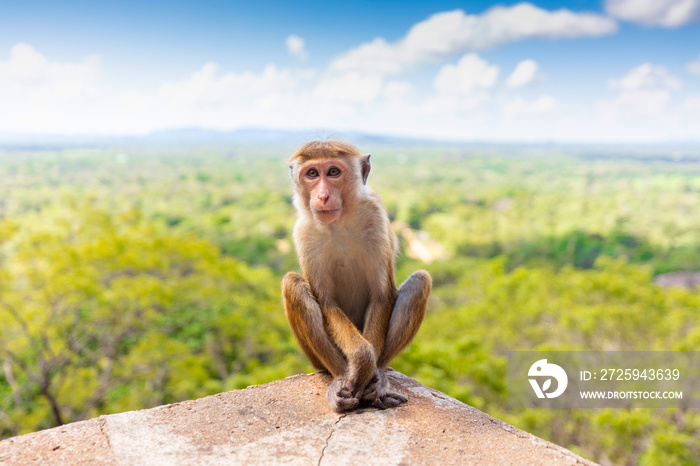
<point>106,311</point>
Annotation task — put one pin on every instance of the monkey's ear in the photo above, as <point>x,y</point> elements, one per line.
<point>366,167</point>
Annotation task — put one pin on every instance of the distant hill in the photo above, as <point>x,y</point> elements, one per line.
<point>200,136</point>
<point>673,152</point>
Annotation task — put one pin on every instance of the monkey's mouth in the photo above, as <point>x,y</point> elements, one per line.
<point>326,216</point>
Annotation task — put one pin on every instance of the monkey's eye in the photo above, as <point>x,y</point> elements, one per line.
<point>312,173</point>
<point>334,171</point>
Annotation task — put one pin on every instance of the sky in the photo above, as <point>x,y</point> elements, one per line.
<point>550,71</point>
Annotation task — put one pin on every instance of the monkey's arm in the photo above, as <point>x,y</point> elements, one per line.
<point>382,289</point>
<point>362,358</point>
<point>377,323</point>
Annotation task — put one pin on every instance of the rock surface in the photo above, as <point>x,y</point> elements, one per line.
<point>289,422</point>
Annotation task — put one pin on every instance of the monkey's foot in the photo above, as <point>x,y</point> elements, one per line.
<point>376,393</point>
<point>340,397</point>
<point>389,400</point>
<point>377,387</point>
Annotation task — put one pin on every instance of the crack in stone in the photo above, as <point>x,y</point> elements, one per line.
<point>328,439</point>
<point>102,423</point>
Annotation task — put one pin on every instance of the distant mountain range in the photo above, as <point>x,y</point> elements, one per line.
<point>671,151</point>
<point>198,136</point>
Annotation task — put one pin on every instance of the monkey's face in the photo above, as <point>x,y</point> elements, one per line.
<point>323,183</point>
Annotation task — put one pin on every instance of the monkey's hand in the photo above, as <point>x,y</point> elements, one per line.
<point>361,369</point>
<point>340,397</point>
<point>377,393</point>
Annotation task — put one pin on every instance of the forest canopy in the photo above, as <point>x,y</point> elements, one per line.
<point>132,277</point>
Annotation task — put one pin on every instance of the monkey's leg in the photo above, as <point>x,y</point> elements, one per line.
<point>306,321</point>
<point>406,316</point>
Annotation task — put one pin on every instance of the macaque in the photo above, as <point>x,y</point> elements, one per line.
<point>345,310</point>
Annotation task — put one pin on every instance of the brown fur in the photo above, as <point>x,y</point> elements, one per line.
<point>346,312</point>
<point>321,149</point>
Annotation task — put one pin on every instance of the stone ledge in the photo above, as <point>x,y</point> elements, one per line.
<point>289,422</point>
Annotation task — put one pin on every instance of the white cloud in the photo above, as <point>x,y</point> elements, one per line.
<point>448,33</point>
<point>524,73</point>
<point>207,86</point>
<point>667,13</point>
<point>296,46</point>
<point>644,91</point>
<point>39,95</point>
<point>646,76</point>
<point>214,99</point>
<point>444,106</point>
<point>470,72</point>
<point>349,87</point>
<point>692,104</point>
<point>397,90</point>
<point>519,108</point>
<point>694,66</point>
<point>461,88</point>
<point>377,56</point>
<point>648,107</point>
<point>466,100</point>
<point>28,75</point>
<point>643,102</point>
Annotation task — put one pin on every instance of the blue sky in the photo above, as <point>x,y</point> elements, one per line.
<point>609,70</point>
